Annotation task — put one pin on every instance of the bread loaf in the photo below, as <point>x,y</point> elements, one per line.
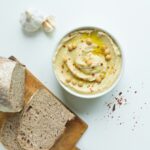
<point>12,79</point>
<point>42,122</point>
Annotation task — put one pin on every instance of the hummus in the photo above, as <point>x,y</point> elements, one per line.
<point>88,61</point>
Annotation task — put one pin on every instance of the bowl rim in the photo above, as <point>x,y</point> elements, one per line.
<point>96,95</point>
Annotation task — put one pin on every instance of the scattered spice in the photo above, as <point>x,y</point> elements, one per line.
<point>114,107</point>
<point>120,93</point>
<point>118,101</point>
<point>109,105</point>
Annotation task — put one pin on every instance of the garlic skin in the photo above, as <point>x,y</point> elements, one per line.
<point>31,20</point>
<point>48,24</point>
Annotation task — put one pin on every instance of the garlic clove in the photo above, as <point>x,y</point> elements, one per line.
<point>48,24</point>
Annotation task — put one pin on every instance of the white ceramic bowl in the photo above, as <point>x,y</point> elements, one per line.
<point>90,96</point>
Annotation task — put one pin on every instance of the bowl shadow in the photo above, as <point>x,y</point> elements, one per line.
<point>80,105</point>
<point>88,106</point>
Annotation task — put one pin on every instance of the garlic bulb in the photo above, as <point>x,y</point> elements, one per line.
<point>32,20</point>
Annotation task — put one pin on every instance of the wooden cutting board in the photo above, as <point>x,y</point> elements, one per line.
<point>74,129</point>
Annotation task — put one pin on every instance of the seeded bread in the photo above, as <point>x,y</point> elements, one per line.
<point>8,134</point>
<point>12,78</point>
<point>43,121</point>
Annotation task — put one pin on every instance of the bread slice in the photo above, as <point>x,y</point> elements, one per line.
<point>8,134</point>
<point>12,79</point>
<point>43,121</point>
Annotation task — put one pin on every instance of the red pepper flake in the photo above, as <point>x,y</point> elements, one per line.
<point>114,107</point>
<point>91,89</point>
<point>119,101</point>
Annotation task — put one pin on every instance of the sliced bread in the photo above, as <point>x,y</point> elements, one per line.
<point>8,134</point>
<point>12,80</point>
<point>42,122</point>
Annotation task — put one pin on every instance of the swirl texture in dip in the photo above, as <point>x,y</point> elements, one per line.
<point>87,61</point>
